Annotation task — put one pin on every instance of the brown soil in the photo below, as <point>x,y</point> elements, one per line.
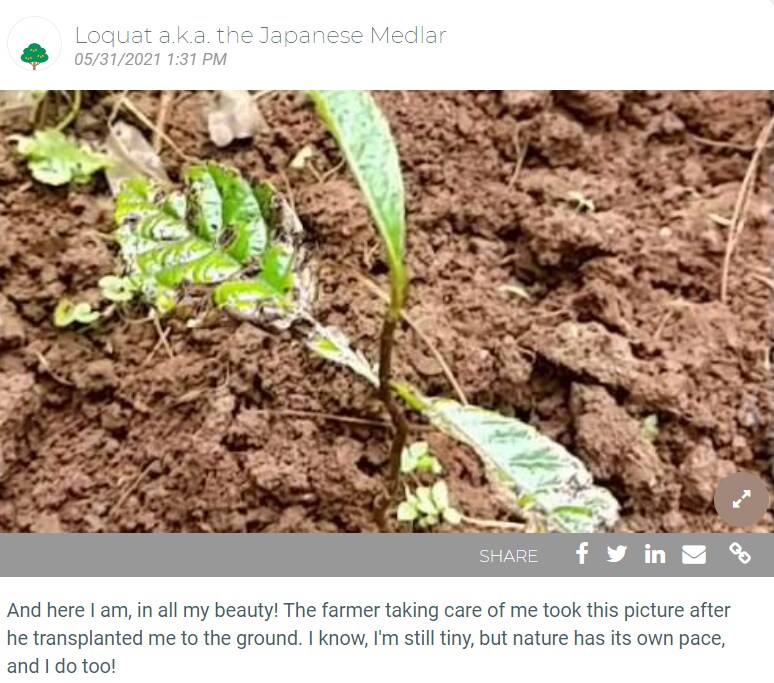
<point>104,431</point>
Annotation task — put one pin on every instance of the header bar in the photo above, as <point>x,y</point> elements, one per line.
<point>405,44</point>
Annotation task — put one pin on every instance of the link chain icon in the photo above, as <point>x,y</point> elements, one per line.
<point>741,554</point>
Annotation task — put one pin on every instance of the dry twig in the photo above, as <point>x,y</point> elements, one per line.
<point>162,341</point>
<point>125,102</point>
<point>523,150</point>
<point>11,196</point>
<point>167,97</point>
<point>328,417</point>
<point>128,158</point>
<point>769,282</point>
<point>494,524</point>
<point>47,368</point>
<point>740,208</point>
<point>118,102</point>
<point>132,487</point>
<point>73,110</point>
<point>719,144</point>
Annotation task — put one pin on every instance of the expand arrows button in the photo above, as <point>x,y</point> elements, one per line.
<point>738,502</point>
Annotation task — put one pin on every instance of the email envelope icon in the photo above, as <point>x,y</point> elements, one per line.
<point>694,554</point>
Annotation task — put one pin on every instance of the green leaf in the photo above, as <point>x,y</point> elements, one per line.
<point>118,289</point>
<point>407,512</point>
<point>411,455</point>
<point>172,255</point>
<point>419,449</point>
<point>451,515</point>
<point>425,503</point>
<point>241,214</point>
<point>333,345</point>
<point>243,293</point>
<point>68,312</point>
<point>55,159</point>
<point>417,458</point>
<point>429,520</point>
<point>63,313</point>
<point>165,301</point>
<point>365,140</point>
<point>256,301</point>
<point>146,215</point>
<point>277,268</point>
<point>427,506</point>
<point>545,477</point>
<point>268,295</point>
<point>210,268</point>
<point>206,207</point>
<point>239,244</point>
<point>430,464</point>
<point>82,313</point>
<point>440,493</point>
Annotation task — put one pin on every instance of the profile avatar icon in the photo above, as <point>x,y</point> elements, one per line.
<point>34,44</point>
<point>35,55</point>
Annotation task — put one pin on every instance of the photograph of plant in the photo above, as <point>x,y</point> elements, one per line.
<point>402,311</point>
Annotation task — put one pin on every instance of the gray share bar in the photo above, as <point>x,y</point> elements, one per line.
<point>259,555</point>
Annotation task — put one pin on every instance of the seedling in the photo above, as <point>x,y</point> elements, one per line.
<point>427,506</point>
<point>222,243</point>
<point>424,505</point>
<point>364,137</point>
<point>119,290</point>
<point>68,313</point>
<point>55,159</point>
<point>417,458</point>
<point>546,479</point>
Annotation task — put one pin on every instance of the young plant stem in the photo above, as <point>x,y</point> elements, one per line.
<point>75,108</point>
<point>385,394</point>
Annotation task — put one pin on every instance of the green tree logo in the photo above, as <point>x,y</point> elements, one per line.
<point>34,54</point>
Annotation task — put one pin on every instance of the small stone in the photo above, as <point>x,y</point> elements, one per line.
<point>673,522</point>
<point>234,116</point>
<point>525,103</point>
<point>667,123</point>
<point>591,105</point>
<point>18,403</point>
<point>560,140</point>
<point>9,173</point>
<point>96,376</point>
<point>79,483</point>
<point>47,524</point>
<point>12,334</point>
<point>700,473</point>
<point>693,173</point>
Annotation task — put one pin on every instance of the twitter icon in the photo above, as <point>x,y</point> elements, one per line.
<point>616,554</point>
